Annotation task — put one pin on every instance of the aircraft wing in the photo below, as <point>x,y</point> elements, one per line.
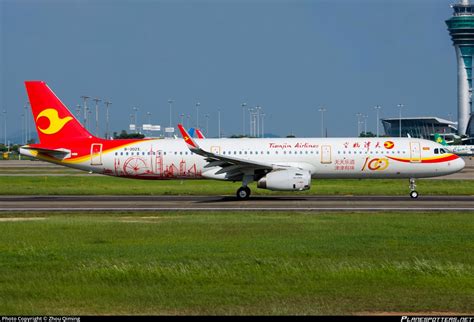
<point>229,165</point>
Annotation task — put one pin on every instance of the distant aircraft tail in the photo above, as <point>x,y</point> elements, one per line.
<point>54,122</point>
<point>199,134</point>
<point>439,139</point>
<point>196,133</point>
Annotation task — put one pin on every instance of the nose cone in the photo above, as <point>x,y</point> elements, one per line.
<point>458,164</point>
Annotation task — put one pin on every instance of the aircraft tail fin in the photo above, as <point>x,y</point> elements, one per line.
<point>187,138</point>
<point>55,124</point>
<point>439,139</point>
<point>199,134</point>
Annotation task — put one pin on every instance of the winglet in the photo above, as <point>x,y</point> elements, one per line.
<point>187,138</point>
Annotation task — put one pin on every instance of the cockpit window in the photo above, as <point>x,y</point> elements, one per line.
<point>443,151</point>
<point>436,151</point>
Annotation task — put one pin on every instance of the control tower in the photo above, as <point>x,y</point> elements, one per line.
<point>461,29</point>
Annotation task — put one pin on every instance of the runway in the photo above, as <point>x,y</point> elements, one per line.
<point>230,203</point>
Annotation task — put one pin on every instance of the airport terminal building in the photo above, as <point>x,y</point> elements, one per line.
<point>419,127</point>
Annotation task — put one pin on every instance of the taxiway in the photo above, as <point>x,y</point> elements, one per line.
<point>230,203</point>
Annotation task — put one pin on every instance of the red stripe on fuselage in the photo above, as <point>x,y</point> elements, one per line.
<point>436,160</point>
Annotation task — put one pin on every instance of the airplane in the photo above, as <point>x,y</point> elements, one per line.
<point>281,164</point>
<point>464,150</point>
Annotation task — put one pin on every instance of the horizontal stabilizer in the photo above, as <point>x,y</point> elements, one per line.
<point>56,153</point>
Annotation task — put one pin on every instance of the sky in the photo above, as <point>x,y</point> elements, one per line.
<point>291,57</point>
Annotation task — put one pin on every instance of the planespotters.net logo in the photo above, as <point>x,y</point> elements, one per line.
<point>437,319</point>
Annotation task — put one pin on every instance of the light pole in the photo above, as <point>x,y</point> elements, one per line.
<point>251,125</point>
<point>182,118</point>
<point>78,111</point>
<point>377,109</point>
<point>86,118</point>
<point>107,103</point>
<point>189,120</point>
<point>5,127</point>
<point>197,114</point>
<point>23,127</point>
<point>89,113</point>
<point>132,121</point>
<point>365,116</point>
<point>322,110</point>
<point>207,124</point>
<point>96,100</point>
<point>136,118</point>
<point>257,120</point>
<point>251,121</point>
<point>243,118</point>
<point>263,123</point>
<point>26,123</point>
<point>359,115</point>
<point>219,122</point>
<point>148,114</point>
<point>170,102</point>
<point>400,106</point>
<point>84,97</point>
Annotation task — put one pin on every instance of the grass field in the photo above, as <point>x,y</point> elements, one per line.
<point>102,185</point>
<point>236,263</point>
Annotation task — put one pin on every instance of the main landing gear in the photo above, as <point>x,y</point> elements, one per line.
<point>413,192</point>
<point>243,192</point>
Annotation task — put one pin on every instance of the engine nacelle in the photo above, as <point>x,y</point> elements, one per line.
<point>286,180</point>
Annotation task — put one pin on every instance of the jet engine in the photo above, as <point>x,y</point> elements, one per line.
<point>286,180</point>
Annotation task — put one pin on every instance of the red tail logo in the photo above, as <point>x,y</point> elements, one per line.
<point>54,122</point>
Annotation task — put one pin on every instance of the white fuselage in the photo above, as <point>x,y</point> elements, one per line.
<point>323,157</point>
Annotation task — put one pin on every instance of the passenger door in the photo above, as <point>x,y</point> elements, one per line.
<point>326,154</point>
<point>415,152</point>
<point>96,154</point>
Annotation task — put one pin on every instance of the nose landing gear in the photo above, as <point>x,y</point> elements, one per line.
<point>413,192</point>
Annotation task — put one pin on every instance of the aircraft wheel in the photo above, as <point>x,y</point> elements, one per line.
<point>414,194</point>
<point>243,193</point>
